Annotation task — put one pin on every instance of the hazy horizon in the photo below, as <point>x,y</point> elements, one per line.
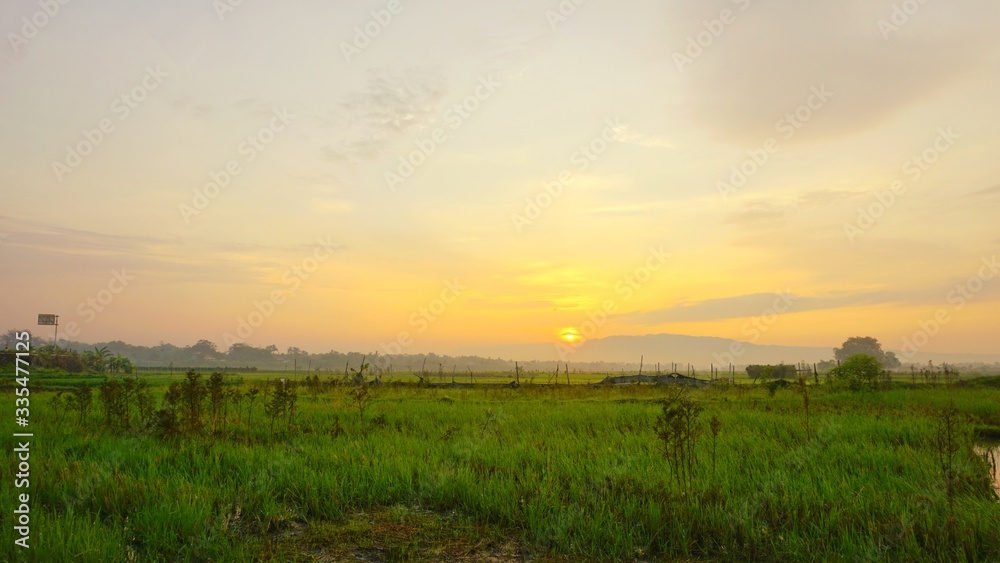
<point>446,175</point>
<point>700,352</point>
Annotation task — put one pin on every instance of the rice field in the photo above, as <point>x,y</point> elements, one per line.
<point>539,472</point>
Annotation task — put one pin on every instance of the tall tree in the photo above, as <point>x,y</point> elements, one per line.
<point>866,345</point>
<point>204,350</point>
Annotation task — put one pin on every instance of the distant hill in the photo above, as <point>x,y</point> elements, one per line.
<point>610,354</point>
<point>699,351</point>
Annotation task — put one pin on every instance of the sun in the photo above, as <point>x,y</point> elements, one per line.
<point>570,335</point>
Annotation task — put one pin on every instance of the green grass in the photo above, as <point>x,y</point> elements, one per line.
<point>555,473</point>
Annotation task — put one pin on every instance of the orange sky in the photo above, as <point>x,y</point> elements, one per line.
<point>476,174</point>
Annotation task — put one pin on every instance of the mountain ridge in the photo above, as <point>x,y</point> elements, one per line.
<point>700,351</point>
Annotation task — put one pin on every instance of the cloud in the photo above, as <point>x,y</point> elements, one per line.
<point>42,249</point>
<point>636,208</point>
<point>763,65</point>
<point>752,305</point>
<point>501,53</point>
<point>332,207</point>
<point>50,238</point>
<point>508,303</point>
<point>187,106</point>
<point>625,135</point>
<point>391,105</point>
<point>821,254</point>
<point>769,211</point>
<point>256,108</point>
<point>757,304</point>
<point>758,212</point>
<point>988,192</point>
<point>819,199</point>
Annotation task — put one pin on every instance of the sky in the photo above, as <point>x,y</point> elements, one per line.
<point>426,176</point>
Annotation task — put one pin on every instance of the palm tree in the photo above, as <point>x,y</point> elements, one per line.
<point>98,359</point>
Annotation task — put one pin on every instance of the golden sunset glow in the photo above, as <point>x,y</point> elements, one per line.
<point>445,192</point>
<point>570,335</point>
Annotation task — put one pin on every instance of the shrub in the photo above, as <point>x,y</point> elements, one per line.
<point>234,397</point>
<point>773,386</point>
<point>251,395</point>
<point>59,405</point>
<point>766,372</point>
<point>282,402</point>
<point>312,383</point>
<point>144,404</point>
<point>714,427</point>
<point>113,404</point>
<point>362,397</point>
<point>217,398</point>
<point>857,371</point>
<point>191,394</point>
<point>80,401</point>
<point>678,429</point>
<point>166,424</point>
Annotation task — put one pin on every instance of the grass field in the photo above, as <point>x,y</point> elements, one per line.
<point>490,473</point>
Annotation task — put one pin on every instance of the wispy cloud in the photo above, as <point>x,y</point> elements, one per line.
<point>763,64</point>
<point>766,211</point>
<point>41,247</point>
<point>625,134</point>
<point>741,306</point>
<point>391,105</point>
<point>988,192</point>
<point>188,106</point>
<point>636,208</point>
<point>750,305</point>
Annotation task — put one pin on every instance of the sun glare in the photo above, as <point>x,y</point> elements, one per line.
<point>570,335</point>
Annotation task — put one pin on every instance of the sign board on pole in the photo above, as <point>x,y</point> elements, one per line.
<point>47,319</point>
